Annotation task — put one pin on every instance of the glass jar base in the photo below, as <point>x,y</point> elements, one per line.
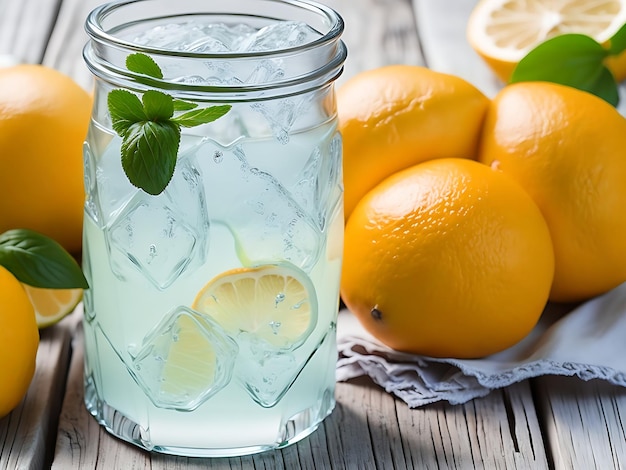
<point>294,430</point>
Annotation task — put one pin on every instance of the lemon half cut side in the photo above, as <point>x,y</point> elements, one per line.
<point>52,305</point>
<point>502,32</point>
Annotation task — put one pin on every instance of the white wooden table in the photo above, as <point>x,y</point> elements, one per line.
<point>552,422</point>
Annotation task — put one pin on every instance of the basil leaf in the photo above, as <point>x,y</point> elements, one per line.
<point>201,116</point>
<point>618,41</point>
<point>158,106</point>
<point>142,63</point>
<point>574,60</point>
<point>125,109</point>
<point>39,261</point>
<point>149,151</point>
<point>605,87</point>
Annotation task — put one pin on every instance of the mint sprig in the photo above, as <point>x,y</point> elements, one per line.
<point>39,261</point>
<point>149,128</point>
<point>574,60</point>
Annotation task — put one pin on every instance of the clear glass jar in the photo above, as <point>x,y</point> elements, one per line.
<point>210,318</point>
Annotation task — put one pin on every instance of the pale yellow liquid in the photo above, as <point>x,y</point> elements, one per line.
<point>124,305</point>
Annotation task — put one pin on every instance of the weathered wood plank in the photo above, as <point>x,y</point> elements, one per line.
<point>585,422</point>
<point>64,50</point>
<point>378,32</point>
<point>441,27</point>
<point>28,433</point>
<point>25,26</point>
<point>79,440</point>
<point>363,431</point>
<point>499,431</point>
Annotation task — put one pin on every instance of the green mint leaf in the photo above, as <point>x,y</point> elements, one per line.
<point>618,41</point>
<point>158,106</point>
<point>125,109</point>
<point>181,105</point>
<point>149,151</point>
<point>39,261</point>
<point>150,132</point>
<point>201,116</point>
<point>574,60</point>
<point>142,63</point>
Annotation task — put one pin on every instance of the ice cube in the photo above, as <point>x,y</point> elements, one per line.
<point>263,217</point>
<point>162,236</point>
<point>196,36</point>
<point>113,188</point>
<point>89,175</point>
<point>184,361</point>
<point>280,35</point>
<point>202,37</point>
<point>190,36</point>
<point>266,71</point>
<point>318,186</point>
<point>281,114</point>
<point>265,372</point>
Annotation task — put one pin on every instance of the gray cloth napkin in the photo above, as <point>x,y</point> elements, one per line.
<point>588,340</point>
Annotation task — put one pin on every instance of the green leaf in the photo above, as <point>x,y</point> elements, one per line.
<point>181,105</point>
<point>150,132</point>
<point>574,60</point>
<point>149,151</point>
<point>125,109</point>
<point>39,261</point>
<point>605,87</point>
<point>142,63</point>
<point>201,116</point>
<point>618,41</point>
<point>158,106</point>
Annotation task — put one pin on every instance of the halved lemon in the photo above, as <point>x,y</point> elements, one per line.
<point>274,302</point>
<point>51,305</point>
<point>502,32</point>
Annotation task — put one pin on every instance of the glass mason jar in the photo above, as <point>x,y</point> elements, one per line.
<point>210,319</point>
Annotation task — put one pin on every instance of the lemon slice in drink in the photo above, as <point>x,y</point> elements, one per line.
<point>274,302</point>
<point>51,305</point>
<point>184,360</point>
<point>502,32</point>
<point>191,362</point>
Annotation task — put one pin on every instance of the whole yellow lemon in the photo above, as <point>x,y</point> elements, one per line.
<point>448,258</point>
<point>396,116</point>
<point>44,116</point>
<point>19,340</point>
<point>565,147</point>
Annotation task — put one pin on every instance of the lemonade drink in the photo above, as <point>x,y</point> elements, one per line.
<point>210,318</point>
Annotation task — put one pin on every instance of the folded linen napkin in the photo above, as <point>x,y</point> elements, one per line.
<point>588,340</point>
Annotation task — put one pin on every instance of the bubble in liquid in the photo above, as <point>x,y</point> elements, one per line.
<point>275,326</point>
<point>279,298</point>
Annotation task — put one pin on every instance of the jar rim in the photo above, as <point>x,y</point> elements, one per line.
<point>325,54</point>
<point>97,33</point>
